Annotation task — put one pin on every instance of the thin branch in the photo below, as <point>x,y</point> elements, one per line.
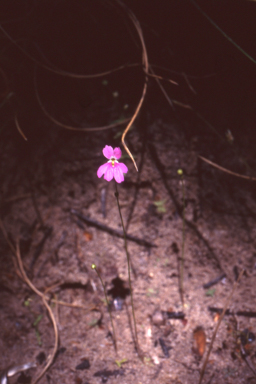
<point>227,170</point>
<point>43,297</point>
<point>188,83</point>
<point>84,129</point>
<point>218,325</point>
<point>162,88</point>
<point>60,71</point>
<point>72,305</point>
<point>153,75</point>
<point>145,65</point>
<point>19,128</point>
<point>222,32</point>
<point>112,231</point>
<point>18,197</point>
<point>6,237</point>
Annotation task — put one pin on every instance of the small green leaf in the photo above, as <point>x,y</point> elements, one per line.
<point>37,320</point>
<point>148,361</point>
<point>93,323</point>
<point>160,206</point>
<point>120,362</point>
<point>38,337</point>
<point>27,302</point>
<point>210,292</point>
<point>151,292</point>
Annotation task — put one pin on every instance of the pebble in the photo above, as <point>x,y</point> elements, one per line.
<point>158,318</point>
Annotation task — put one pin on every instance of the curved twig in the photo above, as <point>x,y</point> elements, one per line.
<point>227,170</point>
<point>59,302</point>
<point>19,128</point>
<point>70,127</point>
<point>43,297</point>
<point>145,65</point>
<point>65,73</point>
<point>60,71</point>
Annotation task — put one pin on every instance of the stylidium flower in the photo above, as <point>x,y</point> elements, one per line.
<point>112,168</point>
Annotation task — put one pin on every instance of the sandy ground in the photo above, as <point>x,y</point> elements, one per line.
<point>58,248</point>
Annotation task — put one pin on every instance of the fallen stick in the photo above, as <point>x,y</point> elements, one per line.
<point>40,246</point>
<point>218,325</point>
<point>110,230</point>
<point>215,281</point>
<point>50,312</point>
<point>230,313</point>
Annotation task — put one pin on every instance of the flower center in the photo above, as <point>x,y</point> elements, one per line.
<point>113,160</point>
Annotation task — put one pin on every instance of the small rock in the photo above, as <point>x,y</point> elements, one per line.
<point>40,358</point>
<point>158,318</point>
<point>84,365</point>
<point>199,341</point>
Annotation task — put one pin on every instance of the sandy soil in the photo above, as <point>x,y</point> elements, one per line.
<point>58,248</point>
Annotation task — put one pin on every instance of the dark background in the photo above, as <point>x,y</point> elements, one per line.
<point>87,37</point>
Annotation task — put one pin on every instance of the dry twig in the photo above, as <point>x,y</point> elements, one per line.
<point>56,70</point>
<point>70,127</point>
<point>19,128</point>
<point>44,299</point>
<point>145,65</point>
<point>218,325</point>
<point>227,170</point>
<point>72,305</point>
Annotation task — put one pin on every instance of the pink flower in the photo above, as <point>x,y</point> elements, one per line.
<point>112,168</point>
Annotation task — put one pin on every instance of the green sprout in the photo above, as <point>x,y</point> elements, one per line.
<point>35,325</point>
<point>27,302</point>
<point>151,292</point>
<point>120,362</point>
<point>210,292</point>
<point>160,206</point>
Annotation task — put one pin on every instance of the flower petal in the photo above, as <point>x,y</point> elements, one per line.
<point>117,153</point>
<point>102,169</point>
<point>123,167</point>
<point>108,151</point>
<point>109,173</point>
<point>118,174</point>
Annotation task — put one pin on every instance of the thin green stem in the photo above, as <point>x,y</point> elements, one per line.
<point>129,272</point>
<point>108,305</point>
<point>222,32</point>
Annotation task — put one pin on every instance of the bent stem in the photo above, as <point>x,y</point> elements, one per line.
<point>129,273</point>
<point>108,305</point>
